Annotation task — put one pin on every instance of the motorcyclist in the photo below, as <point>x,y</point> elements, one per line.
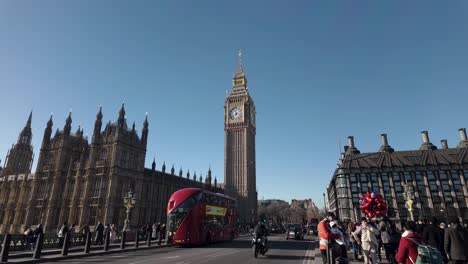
<point>260,231</point>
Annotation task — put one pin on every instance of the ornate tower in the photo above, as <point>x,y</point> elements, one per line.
<point>20,156</point>
<point>239,146</point>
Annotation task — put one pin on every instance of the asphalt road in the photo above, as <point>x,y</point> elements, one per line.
<point>236,252</point>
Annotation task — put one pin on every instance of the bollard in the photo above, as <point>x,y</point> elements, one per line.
<point>137,239</point>
<point>5,248</point>
<point>148,238</point>
<point>107,241</point>
<point>38,249</point>
<point>122,241</point>
<point>87,248</point>
<point>65,244</point>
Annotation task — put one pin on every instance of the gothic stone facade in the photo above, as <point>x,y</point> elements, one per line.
<point>239,147</point>
<point>438,177</point>
<point>82,183</point>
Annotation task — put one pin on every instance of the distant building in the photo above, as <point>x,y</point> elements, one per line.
<point>312,211</point>
<point>83,182</point>
<point>438,178</point>
<point>268,202</point>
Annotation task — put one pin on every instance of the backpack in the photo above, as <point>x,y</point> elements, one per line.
<point>426,254</point>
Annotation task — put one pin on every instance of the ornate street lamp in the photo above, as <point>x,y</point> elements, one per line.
<point>408,195</point>
<point>129,203</point>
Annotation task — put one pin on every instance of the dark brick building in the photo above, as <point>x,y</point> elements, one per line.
<point>438,177</point>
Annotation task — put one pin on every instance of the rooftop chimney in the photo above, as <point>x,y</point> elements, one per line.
<point>426,145</point>
<point>351,148</point>
<point>385,146</point>
<point>463,139</point>
<point>444,144</point>
<point>351,142</point>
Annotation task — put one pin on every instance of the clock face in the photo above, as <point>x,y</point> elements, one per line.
<point>235,113</point>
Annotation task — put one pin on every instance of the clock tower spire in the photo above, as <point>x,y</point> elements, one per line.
<point>239,145</point>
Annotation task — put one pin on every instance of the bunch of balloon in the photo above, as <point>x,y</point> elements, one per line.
<point>373,205</point>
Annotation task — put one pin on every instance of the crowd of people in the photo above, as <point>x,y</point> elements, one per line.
<point>371,240</point>
<point>157,231</point>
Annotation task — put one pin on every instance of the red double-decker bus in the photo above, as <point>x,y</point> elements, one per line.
<point>196,216</point>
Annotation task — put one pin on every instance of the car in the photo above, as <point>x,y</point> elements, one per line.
<point>295,231</point>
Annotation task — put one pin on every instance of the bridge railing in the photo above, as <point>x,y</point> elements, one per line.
<point>72,241</point>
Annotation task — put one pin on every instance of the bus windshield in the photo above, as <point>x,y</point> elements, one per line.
<point>176,217</point>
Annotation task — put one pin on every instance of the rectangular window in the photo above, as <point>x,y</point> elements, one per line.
<point>396,177</point>
<point>430,175</point>
<point>92,215</point>
<point>448,197</point>
<point>408,177</point>
<point>364,178</point>
<point>442,175</point>
<point>419,177</point>
<point>352,178</point>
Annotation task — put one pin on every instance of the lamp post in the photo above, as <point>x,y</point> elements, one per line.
<point>324,203</point>
<point>129,203</point>
<point>408,195</point>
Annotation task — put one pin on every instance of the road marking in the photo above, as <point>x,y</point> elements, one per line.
<point>308,254</point>
<point>171,257</point>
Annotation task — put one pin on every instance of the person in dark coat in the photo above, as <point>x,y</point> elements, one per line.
<point>432,235</point>
<point>62,232</point>
<point>99,233</point>
<point>456,242</point>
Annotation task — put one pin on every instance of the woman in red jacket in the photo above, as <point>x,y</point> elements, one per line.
<point>408,250</point>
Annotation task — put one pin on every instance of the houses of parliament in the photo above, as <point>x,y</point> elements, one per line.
<point>82,182</point>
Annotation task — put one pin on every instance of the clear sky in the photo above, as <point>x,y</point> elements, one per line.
<point>318,71</point>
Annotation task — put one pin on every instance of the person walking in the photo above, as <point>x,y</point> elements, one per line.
<point>368,241</point>
<point>99,234</point>
<point>84,231</point>
<point>28,238</point>
<point>113,233</point>
<point>326,235</point>
<point>354,243</point>
<point>432,234</point>
<point>38,231</point>
<point>408,249</point>
<point>154,234</point>
<point>385,236</point>
<point>61,234</point>
<point>456,242</point>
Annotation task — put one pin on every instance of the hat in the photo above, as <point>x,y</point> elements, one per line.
<point>331,214</point>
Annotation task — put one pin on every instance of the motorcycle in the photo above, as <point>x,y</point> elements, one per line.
<point>258,246</point>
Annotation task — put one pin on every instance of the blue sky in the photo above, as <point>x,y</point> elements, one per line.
<point>317,70</point>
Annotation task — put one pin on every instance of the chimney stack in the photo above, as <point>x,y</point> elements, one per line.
<point>384,140</point>
<point>385,146</point>
<point>425,136</point>
<point>463,139</point>
<point>351,149</point>
<point>444,144</point>
<point>351,142</point>
<point>426,145</point>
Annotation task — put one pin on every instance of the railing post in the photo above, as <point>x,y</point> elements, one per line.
<point>65,244</point>
<point>122,239</point>
<point>88,243</point>
<point>148,238</point>
<point>5,248</point>
<point>38,249</point>
<point>107,241</point>
<point>137,239</point>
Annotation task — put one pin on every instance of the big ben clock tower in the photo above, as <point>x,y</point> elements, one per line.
<point>239,146</point>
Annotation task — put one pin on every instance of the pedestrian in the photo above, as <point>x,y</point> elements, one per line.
<point>456,242</point>
<point>99,233</point>
<point>144,230</point>
<point>113,233</point>
<point>37,232</point>
<point>385,236</point>
<point>154,234</point>
<point>84,231</point>
<point>61,233</point>
<point>28,238</point>
<point>163,231</point>
<point>326,235</point>
<point>408,250</point>
<point>354,244</point>
<point>368,241</point>
<point>433,235</point>
<point>340,252</point>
